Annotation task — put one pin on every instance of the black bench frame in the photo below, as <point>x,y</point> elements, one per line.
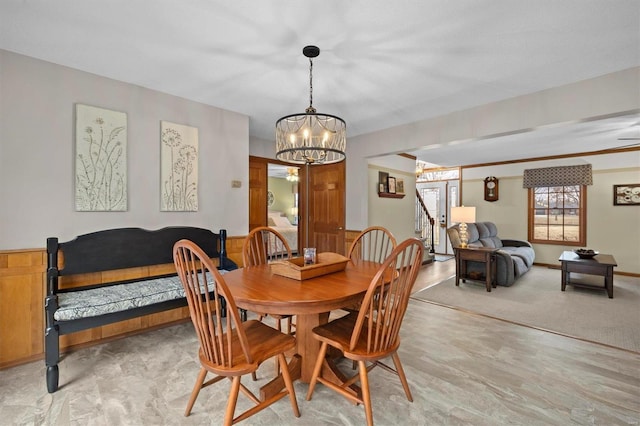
<point>110,250</point>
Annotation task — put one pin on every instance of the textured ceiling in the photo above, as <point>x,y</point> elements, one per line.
<point>382,63</point>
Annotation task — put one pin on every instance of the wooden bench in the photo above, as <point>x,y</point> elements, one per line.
<point>80,307</point>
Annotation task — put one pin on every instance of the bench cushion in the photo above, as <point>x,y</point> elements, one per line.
<point>121,297</point>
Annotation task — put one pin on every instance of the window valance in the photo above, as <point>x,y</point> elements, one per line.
<point>558,176</point>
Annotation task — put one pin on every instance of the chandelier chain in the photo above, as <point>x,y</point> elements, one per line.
<point>310,83</point>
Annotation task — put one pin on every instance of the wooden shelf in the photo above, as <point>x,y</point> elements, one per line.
<point>389,195</point>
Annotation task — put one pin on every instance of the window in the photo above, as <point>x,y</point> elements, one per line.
<point>557,215</point>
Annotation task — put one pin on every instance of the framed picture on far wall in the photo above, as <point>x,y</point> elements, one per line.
<point>400,186</point>
<point>392,184</point>
<point>626,195</point>
<point>382,181</point>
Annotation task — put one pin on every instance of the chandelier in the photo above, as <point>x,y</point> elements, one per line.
<point>310,137</point>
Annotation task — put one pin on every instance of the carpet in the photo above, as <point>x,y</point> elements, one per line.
<point>536,300</point>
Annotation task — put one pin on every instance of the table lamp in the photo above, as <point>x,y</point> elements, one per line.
<point>463,215</point>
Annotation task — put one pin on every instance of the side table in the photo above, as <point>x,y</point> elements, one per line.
<point>601,265</point>
<point>476,254</point>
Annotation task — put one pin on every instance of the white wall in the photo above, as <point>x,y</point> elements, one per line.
<point>597,97</point>
<point>610,229</point>
<point>37,102</point>
<point>262,147</point>
<point>395,214</point>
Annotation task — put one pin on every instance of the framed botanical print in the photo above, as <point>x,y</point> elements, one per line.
<point>178,168</point>
<point>100,159</point>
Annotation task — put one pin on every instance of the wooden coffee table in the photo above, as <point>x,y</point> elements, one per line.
<point>600,265</point>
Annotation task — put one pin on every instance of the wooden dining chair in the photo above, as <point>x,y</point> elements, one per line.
<point>229,348</point>
<point>264,245</point>
<point>373,244</point>
<point>371,334</point>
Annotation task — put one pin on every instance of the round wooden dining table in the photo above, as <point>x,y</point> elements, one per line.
<point>258,289</point>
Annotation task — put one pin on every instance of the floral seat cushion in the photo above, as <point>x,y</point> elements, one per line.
<point>121,297</point>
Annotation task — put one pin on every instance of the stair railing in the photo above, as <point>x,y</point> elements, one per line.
<point>427,231</point>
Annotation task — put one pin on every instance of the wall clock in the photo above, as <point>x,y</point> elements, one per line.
<point>491,188</point>
<point>270,198</point>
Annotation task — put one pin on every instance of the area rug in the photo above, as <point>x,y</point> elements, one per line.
<point>536,300</point>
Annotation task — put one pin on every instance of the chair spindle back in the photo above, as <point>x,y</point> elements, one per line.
<point>264,245</point>
<point>373,244</point>
<point>386,300</point>
<point>203,285</point>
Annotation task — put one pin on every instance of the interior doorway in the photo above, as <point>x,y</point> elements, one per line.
<point>287,206</point>
<point>283,202</point>
<point>439,197</point>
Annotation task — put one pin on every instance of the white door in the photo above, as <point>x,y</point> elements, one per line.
<point>434,195</point>
<point>439,197</point>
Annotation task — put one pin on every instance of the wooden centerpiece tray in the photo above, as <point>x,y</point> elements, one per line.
<point>326,263</point>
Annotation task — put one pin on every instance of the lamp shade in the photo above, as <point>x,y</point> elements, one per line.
<point>463,214</point>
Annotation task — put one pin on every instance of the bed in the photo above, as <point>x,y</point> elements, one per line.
<point>280,222</point>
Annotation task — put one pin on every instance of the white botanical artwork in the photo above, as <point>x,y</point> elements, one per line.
<point>179,167</point>
<point>100,159</point>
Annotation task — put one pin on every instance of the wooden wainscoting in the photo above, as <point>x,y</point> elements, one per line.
<point>22,277</point>
<point>349,237</point>
<point>234,249</point>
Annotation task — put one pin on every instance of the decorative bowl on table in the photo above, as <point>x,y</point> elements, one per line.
<point>585,253</point>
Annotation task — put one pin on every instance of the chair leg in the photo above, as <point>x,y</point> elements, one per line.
<point>233,399</point>
<point>366,396</point>
<point>403,378</point>
<point>317,369</point>
<point>196,390</point>
<point>289,384</point>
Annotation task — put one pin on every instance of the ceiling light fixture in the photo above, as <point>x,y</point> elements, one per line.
<point>292,174</point>
<point>310,137</point>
